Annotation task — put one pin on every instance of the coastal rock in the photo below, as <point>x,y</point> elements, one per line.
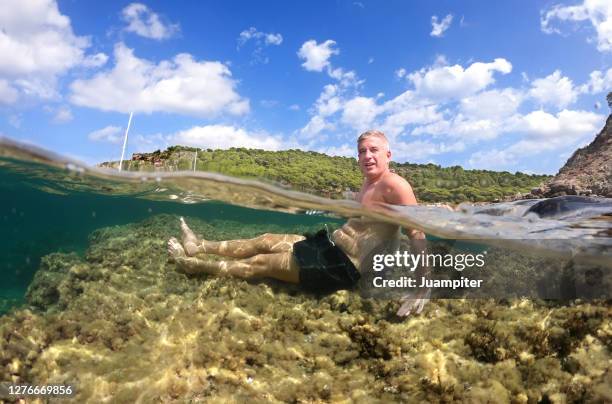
<point>587,172</point>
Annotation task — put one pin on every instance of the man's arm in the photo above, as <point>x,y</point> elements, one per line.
<point>401,194</point>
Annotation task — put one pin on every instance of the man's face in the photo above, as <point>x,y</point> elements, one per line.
<point>374,156</point>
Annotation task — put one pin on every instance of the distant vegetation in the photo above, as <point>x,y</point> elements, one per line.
<point>333,176</point>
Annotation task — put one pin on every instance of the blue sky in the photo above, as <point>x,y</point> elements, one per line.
<point>498,85</point>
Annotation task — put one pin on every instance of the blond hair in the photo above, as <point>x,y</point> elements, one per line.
<point>373,133</point>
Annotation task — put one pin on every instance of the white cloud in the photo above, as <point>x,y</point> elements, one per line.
<point>37,46</point>
<point>406,109</point>
<point>542,132</point>
<point>445,82</point>
<point>111,134</point>
<point>143,21</point>
<point>597,12</point>
<point>260,37</point>
<point>492,159</point>
<point>274,39</point>
<point>345,150</point>
<point>97,60</point>
<point>37,87</point>
<point>359,112</point>
<point>261,40</point>
<point>400,73</point>
<point>565,125</point>
<point>147,143</point>
<point>539,127</point>
<point>333,96</point>
<point>328,102</point>
<point>182,85</point>
<point>400,116</point>
<point>38,39</point>
<point>316,125</point>
<point>8,94</point>
<point>224,137</point>
<point>346,79</point>
<point>316,56</point>
<point>598,82</point>
<point>294,107</point>
<point>475,129</point>
<point>441,61</point>
<point>438,127</point>
<point>212,137</point>
<point>420,150</point>
<point>469,129</point>
<point>438,28</point>
<point>493,104</point>
<point>452,108</point>
<point>63,114</point>
<point>554,90</point>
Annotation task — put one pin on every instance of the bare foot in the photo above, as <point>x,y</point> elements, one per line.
<point>175,250</point>
<point>190,241</point>
<point>177,254</point>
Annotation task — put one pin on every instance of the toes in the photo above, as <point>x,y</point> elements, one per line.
<point>174,247</point>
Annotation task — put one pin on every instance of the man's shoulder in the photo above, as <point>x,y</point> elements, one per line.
<point>398,190</point>
<point>395,180</point>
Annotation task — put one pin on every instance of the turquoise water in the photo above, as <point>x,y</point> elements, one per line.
<point>36,222</point>
<point>52,206</point>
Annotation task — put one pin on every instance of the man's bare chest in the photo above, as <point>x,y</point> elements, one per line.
<point>372,195</point>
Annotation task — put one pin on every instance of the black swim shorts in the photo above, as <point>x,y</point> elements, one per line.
<point>324,267</point>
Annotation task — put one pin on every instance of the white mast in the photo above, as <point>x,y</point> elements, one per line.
<point>195,158</point>
<point>125,140</point>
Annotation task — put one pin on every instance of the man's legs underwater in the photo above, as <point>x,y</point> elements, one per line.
<point>267,243</point>
<point>269,255</point>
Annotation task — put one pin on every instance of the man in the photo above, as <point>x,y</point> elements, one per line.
<point>321,262</point>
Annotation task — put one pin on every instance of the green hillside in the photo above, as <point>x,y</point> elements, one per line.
<point>331,176</point>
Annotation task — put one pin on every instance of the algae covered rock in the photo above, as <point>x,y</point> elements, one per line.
<point>47,285</point>
<point>124,325</point>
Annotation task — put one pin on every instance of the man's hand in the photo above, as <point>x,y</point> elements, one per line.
<point>413,304</point>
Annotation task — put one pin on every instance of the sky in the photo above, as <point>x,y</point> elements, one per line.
<point>500,85</point>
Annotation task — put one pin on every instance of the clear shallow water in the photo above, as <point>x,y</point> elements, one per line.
<point>44,209</point>
<point>52,204</point>
<point>581,225</point>
<point>144,322</point>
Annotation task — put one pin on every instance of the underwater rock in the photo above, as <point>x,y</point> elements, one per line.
<point>47,285</point>
<point>125,326</point>
<point>562,206</point>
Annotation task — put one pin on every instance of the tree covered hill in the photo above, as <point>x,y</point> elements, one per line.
<point>332,176</point>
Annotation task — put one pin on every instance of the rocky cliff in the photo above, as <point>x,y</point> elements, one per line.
<point>587,172</point>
